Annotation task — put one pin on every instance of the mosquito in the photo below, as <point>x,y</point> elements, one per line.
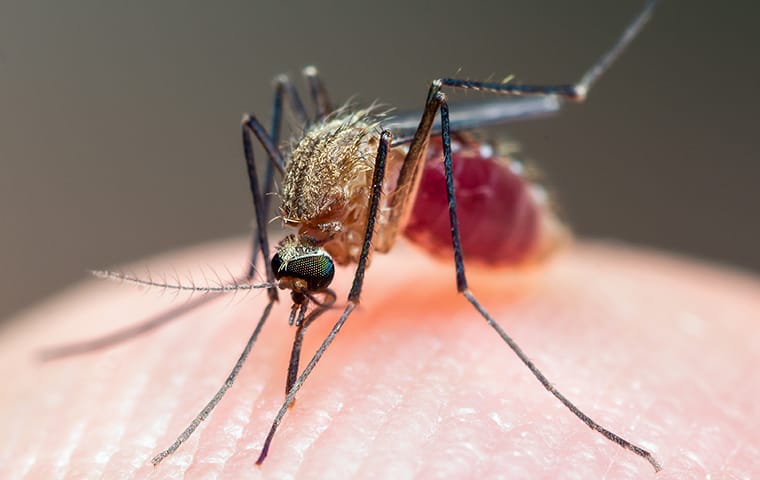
<point>355,180</point>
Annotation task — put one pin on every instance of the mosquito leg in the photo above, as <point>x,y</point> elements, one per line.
<point>536,102</point>
<point>378,178</point>
<point>318,93</point>
<point>440,99</point>
<point>250,124</point>
<point>295,353</point>
<point>409,175</point>
<point>353,296</point>
<point>409,178</point>
<point>219,394</point>
<point>283,88</point>
<point>578,91</point>
<point>606,60</point>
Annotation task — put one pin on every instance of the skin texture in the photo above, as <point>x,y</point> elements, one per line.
<point>661,350</point>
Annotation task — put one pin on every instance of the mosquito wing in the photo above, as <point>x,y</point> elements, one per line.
<point>470,116</point>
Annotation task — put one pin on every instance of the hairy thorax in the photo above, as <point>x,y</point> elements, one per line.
<point>325,193</point>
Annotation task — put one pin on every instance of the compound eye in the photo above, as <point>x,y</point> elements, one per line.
<point>316,269</point>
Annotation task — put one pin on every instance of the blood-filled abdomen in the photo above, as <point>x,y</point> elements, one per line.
<point>504,219</point>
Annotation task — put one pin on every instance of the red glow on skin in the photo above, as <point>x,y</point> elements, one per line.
<point>499,218</point>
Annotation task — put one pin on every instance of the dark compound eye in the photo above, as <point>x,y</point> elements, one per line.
<point>317,270</point>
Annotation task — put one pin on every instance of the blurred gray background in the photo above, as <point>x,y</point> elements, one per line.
<point>119,121</point>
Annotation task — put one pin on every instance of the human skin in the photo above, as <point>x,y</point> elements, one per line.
<point>662,351</point>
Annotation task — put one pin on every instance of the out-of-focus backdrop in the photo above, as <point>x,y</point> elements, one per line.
<point>120,137</point>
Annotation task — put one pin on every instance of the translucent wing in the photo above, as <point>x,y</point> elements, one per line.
<point>469,116</point>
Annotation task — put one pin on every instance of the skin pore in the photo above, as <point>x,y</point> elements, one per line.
<point>660,350</point>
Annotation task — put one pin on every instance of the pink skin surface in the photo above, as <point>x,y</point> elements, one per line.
<point>663,351</point>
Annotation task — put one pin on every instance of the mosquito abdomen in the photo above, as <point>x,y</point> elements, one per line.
<point>505,220</point>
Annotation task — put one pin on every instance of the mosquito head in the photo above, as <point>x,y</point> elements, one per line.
<point>301,266</point>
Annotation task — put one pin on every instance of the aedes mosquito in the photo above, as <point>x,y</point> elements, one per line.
<point>352,182</point>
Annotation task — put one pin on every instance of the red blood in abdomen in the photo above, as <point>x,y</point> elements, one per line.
<point>498,217</point>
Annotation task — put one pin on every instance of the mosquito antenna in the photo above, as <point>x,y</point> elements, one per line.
<point>177,279</point>
<point>234,298</point>
<point>229,274</point>
<point>604,63</point>
<point>219,394</point>
<point>219,282</point>
<point>211,293</point>
<point>191,287</point>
